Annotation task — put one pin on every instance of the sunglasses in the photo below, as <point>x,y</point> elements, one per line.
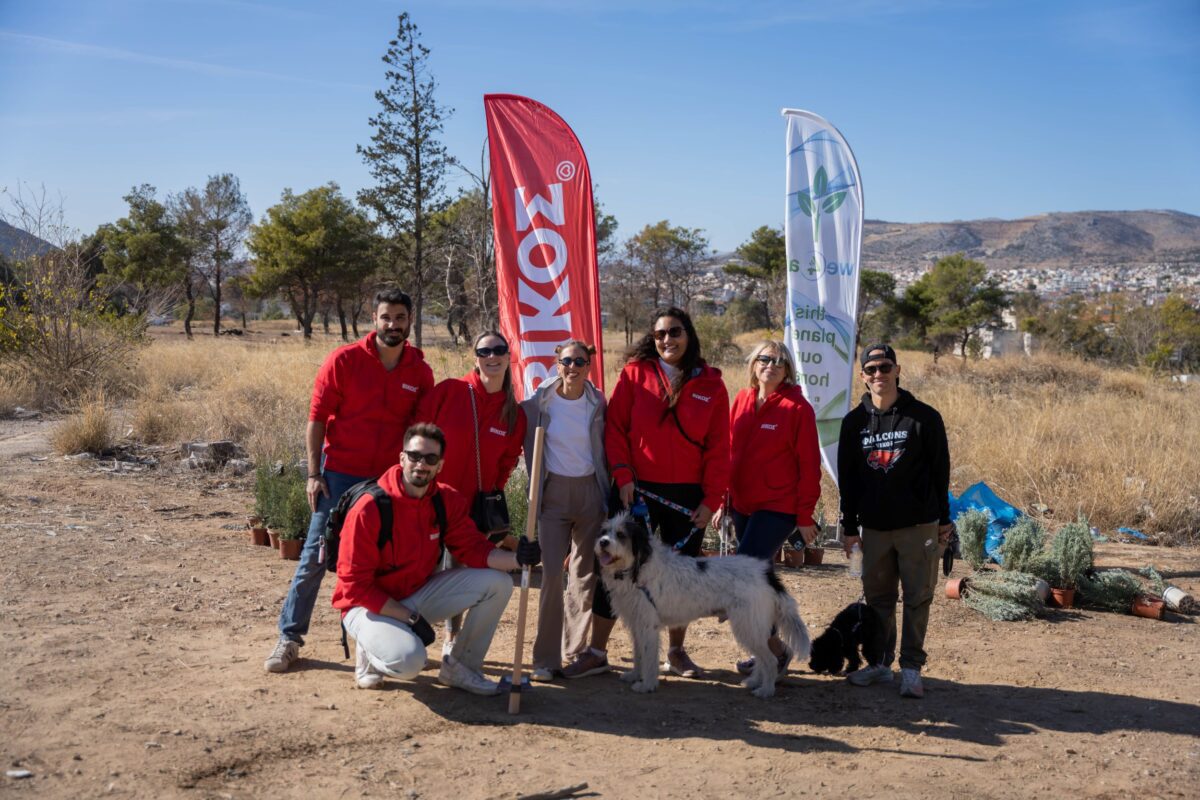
<point>674,332</point>
<point>882,369</point>
<point>577,361</point>
<point>487,352</point>
<point>769,361</point>
<point>429,458</point>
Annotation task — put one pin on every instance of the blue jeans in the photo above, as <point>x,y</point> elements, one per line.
<point>306,583</point>
<point>762,533</point>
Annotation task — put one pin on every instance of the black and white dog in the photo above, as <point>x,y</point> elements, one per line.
<point>652,587</point>
<point>856,626</point>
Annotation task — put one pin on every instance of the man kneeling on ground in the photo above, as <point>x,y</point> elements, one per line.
<point>390,597</point>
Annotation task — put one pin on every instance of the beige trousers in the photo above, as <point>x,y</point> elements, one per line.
<point>572,513</point>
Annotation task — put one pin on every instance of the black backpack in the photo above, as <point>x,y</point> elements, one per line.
<point>383,502</point>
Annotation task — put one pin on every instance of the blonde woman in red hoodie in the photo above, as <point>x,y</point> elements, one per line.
<point>483,443</point>
<point>775,479</point>
<point>666,433</point>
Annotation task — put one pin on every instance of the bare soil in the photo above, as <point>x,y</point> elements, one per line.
<point>136,617</point>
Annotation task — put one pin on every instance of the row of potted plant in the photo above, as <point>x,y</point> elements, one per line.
<point>281,513</point>
<point>1036,569</point>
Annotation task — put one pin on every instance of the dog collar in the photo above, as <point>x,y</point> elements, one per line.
<point>621,574</point>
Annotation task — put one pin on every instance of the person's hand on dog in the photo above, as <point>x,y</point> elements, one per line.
<point>528,553</point>
<point>701,516</point>
<point>626,494</point>
<point>808,533</point>
<point>848,543</point>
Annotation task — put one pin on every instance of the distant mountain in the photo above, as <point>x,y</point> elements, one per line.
<point>1062,240</point>
<point>16,243</point>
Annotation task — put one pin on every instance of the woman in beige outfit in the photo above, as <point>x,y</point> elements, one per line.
<point>574,491</point>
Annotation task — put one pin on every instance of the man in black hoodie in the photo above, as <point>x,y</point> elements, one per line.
<point>894,477</point>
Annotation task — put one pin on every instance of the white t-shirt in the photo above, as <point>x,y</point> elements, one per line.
<point>568,440</point>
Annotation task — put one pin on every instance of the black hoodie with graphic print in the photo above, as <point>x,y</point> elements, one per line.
<point>893,466</point>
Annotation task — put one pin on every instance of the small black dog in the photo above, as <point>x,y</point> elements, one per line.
<point>855,626</point>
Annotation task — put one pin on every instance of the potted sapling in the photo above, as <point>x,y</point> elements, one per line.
<point>264,506</point>
<point>1072,554</point>
<point>296,516</point>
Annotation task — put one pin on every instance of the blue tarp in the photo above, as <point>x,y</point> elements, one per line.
<point>1000,514</point>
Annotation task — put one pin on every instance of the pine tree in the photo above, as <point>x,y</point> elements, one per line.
<point>407,160</point>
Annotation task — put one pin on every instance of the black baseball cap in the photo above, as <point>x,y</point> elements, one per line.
<point>875,352</point>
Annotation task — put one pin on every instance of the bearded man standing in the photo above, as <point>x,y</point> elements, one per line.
<point>363,400</point>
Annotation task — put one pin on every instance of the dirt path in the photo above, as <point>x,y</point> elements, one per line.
<point>135,621</point>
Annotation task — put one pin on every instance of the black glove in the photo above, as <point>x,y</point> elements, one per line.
<point>528,553</point>
<point>424,631</point>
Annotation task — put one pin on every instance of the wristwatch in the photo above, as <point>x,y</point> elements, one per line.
<point>413,619</point>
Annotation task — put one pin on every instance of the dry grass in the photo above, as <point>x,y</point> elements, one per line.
<point>1114,445</point>
<point>92,430</point>
<point>15,392</point>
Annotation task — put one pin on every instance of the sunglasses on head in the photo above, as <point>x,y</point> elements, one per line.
<point>429,458</point>
<point>673,332</point>
<point>773,361</point>
<point>577,361</point>
<point>486,352</point>
<point>883,369</point>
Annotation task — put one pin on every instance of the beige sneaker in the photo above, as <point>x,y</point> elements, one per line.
<point>460,676</point>
<point>283,656</point>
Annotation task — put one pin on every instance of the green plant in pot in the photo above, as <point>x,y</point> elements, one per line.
<point>265,503</point>
<point>1072,553</point>
<point>295,515</point>
<point>972,535</point>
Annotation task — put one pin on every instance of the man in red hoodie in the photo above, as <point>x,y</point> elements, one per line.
<point>363,399</point>
<point>389,596</point>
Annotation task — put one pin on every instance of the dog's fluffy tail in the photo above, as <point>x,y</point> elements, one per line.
<point>790,627</point>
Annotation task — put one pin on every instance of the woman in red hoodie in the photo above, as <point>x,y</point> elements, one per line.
<point>482,420</point>
<point>666,434</point>
<point>775,479</point>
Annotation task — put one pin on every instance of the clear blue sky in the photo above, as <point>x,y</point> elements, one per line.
<point>955,110</point>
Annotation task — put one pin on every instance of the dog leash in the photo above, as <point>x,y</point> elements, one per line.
<point>687,512</point>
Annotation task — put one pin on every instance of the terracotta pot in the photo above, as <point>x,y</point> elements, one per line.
<point>793,558</point>
<point>254,521</point>
<point>814,555</point>
<point>1147,606</point>
<point>259,536</point>
<point>290,549</point>
<point>1063,598</point>
<point>274,538</point>
<point>954,588</point>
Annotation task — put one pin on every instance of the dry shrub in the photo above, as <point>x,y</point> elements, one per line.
<point>156,420</point>
<point>92,430</point>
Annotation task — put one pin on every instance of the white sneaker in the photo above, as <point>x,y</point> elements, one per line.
<point>460,676</point>
<point>283,656</point>
<point>910,683</point>
<point>365,675</point>
<point>542,675</point>
<point>869,675</point>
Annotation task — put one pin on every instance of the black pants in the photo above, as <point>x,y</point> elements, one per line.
<point>762,533</point>
<point>671,525</point>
